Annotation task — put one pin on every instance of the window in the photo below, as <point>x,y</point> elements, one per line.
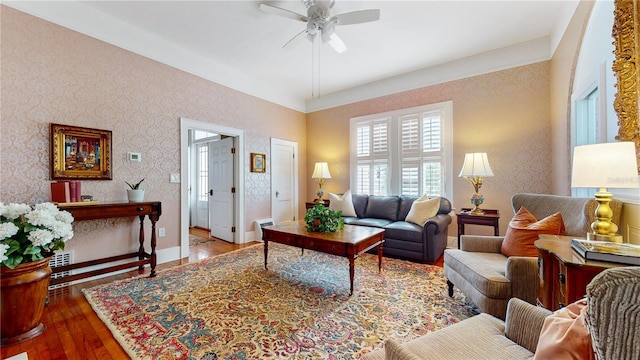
<point>203,172</point>
<point>402,152</point>
<point>587,122</point>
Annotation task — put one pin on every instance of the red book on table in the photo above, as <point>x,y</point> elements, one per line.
<point>60,192</point>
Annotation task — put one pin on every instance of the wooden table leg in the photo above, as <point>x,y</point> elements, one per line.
<point>380,257</point>
<point>266,251</point>
<point>141,247</point>
<point>154,259</point>
<point>352,265</point>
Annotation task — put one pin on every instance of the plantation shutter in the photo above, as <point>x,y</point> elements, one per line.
<point>400,152</point>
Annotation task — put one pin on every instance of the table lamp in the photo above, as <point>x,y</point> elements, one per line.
<point>475,168</point>
<point>320,173</point>
<point>606,165</point>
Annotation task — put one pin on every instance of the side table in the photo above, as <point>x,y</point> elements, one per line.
<point>489,218</point>
<point>563,274</point>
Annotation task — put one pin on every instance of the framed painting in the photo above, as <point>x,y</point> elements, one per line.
<point>258,162</point>
<point>626,35</point>
<point>80,153</point>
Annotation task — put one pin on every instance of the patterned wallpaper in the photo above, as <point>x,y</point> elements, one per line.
<point>52,74</point>
<point>505,114</point>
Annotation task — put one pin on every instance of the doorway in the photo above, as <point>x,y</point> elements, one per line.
<point>284,180</point>
<point>212,183</point>
<point>188,190</point>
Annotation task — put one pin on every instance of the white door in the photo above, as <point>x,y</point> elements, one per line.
<point>284,180</point>
<point>201,210</point>
<point>221,193</point>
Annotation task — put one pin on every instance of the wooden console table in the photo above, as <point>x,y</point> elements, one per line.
<point>107,210</point>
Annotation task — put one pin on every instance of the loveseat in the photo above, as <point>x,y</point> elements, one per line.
<point>403,239</point>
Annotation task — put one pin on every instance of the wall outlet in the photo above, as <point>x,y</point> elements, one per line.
<point>161,232</point>
<point>175,178</point>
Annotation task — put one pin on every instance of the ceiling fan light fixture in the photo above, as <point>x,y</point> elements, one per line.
<point>337,44</point>
<point>318,19</point>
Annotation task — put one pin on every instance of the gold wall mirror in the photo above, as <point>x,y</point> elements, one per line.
<point>626,30</point>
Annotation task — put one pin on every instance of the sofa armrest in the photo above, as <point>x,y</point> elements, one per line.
<point>440,221</point>
<point>524,323</point>
<point>522,272</point>
<point>475,243</point>
<point>396,351</point>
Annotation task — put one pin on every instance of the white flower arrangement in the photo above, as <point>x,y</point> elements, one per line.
<point>30,234</point>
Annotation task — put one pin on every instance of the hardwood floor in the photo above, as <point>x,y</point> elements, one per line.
<point>74,331</point>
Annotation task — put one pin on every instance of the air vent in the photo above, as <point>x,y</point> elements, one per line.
<point>259,224</point>
<point>60,259</point>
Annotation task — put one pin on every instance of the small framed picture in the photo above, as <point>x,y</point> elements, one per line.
<point>258,162</point>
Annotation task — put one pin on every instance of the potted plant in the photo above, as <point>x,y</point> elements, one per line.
<point>322,219</point>
<point>135,194</point>
<point>29,237</point>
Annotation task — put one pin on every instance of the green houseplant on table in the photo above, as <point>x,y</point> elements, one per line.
<point>29,237</point>
<point>322,219</point>
<point>135,194</point>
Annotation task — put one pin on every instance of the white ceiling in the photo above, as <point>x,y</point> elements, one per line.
<point>415,43</point>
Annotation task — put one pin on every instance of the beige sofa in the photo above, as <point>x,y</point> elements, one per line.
<point>488,278</point>
<point>613,319</point>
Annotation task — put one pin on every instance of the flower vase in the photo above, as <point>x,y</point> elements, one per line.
<point>23,293</point>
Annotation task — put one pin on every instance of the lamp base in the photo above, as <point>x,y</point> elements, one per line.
<point>600,237</point>
<point>476,211</point>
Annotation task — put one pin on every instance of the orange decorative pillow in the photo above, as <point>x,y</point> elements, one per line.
<point>565,334</point>
<point>524,229</point>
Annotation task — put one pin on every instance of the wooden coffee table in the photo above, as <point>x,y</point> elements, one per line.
<point>350,242</point>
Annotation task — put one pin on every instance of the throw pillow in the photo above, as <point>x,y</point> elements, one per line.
<point>565,335</point>
<point>523,231</point>
<point>342,203</point>
<point>423,210</point>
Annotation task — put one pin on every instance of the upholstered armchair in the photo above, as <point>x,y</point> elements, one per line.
<point>488,278</point>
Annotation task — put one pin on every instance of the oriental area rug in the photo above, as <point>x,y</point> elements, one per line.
<point>230,307</point>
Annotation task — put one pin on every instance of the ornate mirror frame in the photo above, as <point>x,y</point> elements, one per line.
<point>626,30</point>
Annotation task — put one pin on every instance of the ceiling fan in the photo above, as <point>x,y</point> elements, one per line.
<point>319,20</point>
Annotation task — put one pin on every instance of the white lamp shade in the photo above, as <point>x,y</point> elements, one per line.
<point>321,171</point>
<point>607,165</point>
<point>476,164</point>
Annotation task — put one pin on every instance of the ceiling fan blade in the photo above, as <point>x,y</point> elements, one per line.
<point>274,10</point>
<point>298,36</point>
<point>336,43</point>
<point>357,17</point>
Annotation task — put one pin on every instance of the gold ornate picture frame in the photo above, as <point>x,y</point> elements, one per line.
<point>626,30</point>
<point>258,162</point>
<point>80,153</point>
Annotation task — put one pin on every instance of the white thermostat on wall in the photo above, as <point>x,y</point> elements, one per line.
<point>131,156</point>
